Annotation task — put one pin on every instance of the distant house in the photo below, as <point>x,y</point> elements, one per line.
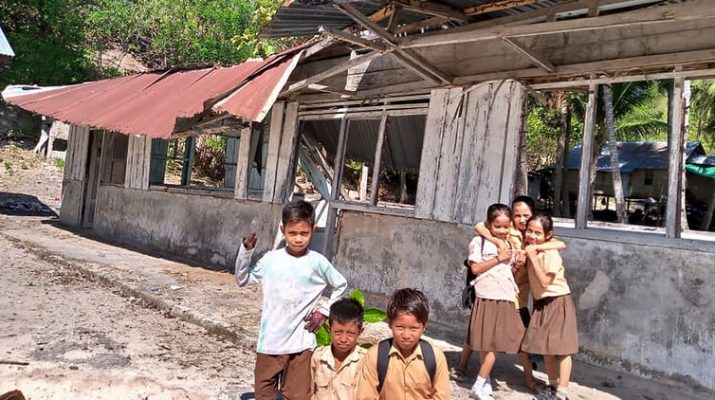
<point>6,53</point>
<point>644,171</point>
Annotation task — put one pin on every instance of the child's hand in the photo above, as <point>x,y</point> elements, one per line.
<point>504,254</point>
<point>314,321</point>
<point>249,242</point>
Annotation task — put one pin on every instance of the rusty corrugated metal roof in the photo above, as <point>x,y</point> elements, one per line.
<point>151,103</point>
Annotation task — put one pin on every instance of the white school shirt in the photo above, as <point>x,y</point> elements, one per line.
<point>291,289</point>
<point>498,282</point>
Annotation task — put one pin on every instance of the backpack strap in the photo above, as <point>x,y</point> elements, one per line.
<point>429,359</point>
<point>383,360</point>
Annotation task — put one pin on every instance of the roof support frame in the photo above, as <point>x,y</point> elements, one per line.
<point>334,71</point>
<point>696,10</point>
<point>538,60</point>
<point>414,62</point>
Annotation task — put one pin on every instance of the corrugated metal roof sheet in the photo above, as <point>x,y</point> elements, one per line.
<point>303,17</point>
<point>5,49</point>
<point>635,155</point>
<point>152,104</point>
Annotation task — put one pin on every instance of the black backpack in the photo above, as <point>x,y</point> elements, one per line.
<point>383,360</point>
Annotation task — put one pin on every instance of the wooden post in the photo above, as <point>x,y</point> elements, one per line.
<point>363,182</point>
<point>675,162</point>
<point>244,163</point>
<point>274,144</point>
<point>584,172</point>
<point>335,190</point>
<point>189,150</point>
<point>374,188</point>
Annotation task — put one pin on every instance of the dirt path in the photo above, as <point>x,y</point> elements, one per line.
<point>82,340</point>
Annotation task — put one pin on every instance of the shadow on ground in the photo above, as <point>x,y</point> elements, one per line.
<point>24,205</point>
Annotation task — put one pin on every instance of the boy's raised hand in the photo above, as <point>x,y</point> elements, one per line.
<point>249,242</point>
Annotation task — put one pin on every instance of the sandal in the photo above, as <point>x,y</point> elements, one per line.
<point>457,374</point>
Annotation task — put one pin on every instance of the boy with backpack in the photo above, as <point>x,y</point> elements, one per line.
<point>405,366</point>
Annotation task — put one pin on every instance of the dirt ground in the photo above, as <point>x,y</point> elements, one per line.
<point>86,339</point>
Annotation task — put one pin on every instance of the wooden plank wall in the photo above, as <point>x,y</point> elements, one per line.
<point>138,162</point>
<point>282,149</point>
<point>470,152</point>
<point>77,153</point>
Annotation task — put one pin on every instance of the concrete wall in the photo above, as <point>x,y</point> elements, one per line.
<point>645,304</point>
<point>201,227</point>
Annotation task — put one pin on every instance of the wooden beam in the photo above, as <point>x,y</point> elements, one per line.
<point>540,61</point>
<point>496,6</point>
<point>413,26</point>
<point>697,9</point>
<point>375,187</point>
<point>335,189</point>
<point>707,73</point>
<point>350,38</point>
<point>630,64</point>
<point>394,19</point>
<point>333,71</point>
<point>584,172</point>
<point>433,9</point>
<point>417,68</point>
<point>328,89</point>
<point>675,162</point>
<point>409,59</point>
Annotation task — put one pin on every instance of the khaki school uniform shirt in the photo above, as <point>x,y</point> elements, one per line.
<point>552,264</point>
<point>406,378</point>
<point>331,383</point>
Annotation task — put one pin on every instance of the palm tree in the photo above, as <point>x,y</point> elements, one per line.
<point>638,114</point>
<point>621,213</point>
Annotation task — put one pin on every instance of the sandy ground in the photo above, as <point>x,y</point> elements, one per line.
<point>82,340</point>
<point>85,338</point>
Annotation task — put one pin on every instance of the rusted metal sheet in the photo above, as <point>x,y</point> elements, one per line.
<point>154,104</point>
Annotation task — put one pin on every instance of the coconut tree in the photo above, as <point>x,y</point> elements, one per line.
<point>639,113</point>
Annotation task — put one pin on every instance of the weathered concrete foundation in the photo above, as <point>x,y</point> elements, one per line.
<point>204,228</point>
<point>645,304</point>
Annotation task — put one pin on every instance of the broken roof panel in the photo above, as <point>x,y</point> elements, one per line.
<point>159,104</point>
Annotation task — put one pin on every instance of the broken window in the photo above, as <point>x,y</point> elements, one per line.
<point>203,161</point>
<point>379,163</point>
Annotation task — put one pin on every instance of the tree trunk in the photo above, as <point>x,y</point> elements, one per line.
<point>613,149</point>
<point>561,150</point>
<point>683,177</point>
<point>565,201</point>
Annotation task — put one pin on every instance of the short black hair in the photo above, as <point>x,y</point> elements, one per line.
<point>345,311</point>
<point>298,211</point>
<point>545,220</point>
<point>496,210</point>
<point>526,200</point>
<point>408,301</point>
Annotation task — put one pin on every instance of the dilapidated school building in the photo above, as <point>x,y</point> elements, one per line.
<point>434,90</point>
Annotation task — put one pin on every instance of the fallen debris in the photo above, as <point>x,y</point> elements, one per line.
<point>14,362</point>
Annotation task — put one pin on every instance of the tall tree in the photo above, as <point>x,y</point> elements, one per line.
<point>621,213</point>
